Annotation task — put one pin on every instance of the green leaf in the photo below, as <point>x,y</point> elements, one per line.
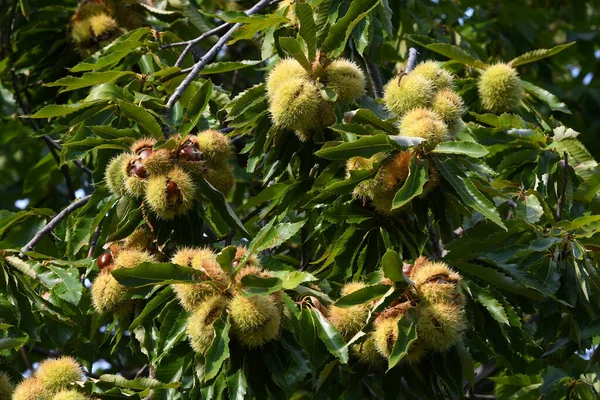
<point>413,186</point>
<point>393,268</point>
<point>70,288</point>
<point>258,285</point>
<point>237,385</point>
<point>452,52</point>
<point>366,146</point>
<point>362,296</point>
<point>143,118</point>
<point>407,334</point>
<point>366,117</point>
<point>148,273</point>
<point>271,236</point>
<point>498,280</point>
<point>60,110</point>
<point>529,209</point>
<point>292,279</point>
<point>340,31</point>
<point>348,184</point>
<point>12,343</point>
<point>589,188</point>
<point>330,337</point>
<point>294,49</point>
<point>218,351</point>
<point>138,384</point>
<point>196,107</point>
<point>553,102</point>
<point>470,149</point>
<point>308,29</point>
<point>503,121</point>
<point>539,54</point>
<point>108,132</point>
<point>467,191</point>
<point>245,100</point>
<point>152,307</point>
<point>255,24</point>
<point>226,66</point>
<point>485,298</point>
<point>69,83</point>
<point>218,201</point>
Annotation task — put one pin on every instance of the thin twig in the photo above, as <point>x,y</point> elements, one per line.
<point>210,54</point>
<point>94,239</point>
<point>53,222</point>
<point>34,123</point>
<point>206,34</point>
<point>25,358</point>
<point>412,60</point>
<point>200,38</point>
<point>375,78</point>
<point>561,198</point>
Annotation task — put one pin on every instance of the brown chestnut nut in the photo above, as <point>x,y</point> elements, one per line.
<point>189,152</point>
<point>173,194</point>
<point>144,152</point>
<point>136,168</point>
<point>104,260</point>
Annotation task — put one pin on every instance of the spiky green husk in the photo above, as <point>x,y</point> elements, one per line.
<point>129,258</point>
<point>432,70</point>
<point>140,239</point>
<point>134,186</point>
<point>346,79</point>
<point>157,195</point>
<point>441,325</point>
<point>6,386</point>
<point>115,175</point>
<point>101,24</point>
<point>206,261</point>
<point>69,395</point>
<point>448,105</point>
<point>422,122</point>
<point>252,261</point>
<point>107,293</point>
<point>435,282</point>
<point>348,321</point>
<point>58,374</point>
<point>31,389</point>
<point>159,162</point>
<point>191,295</point>
<point>221,177</point>
<point>255,320</point>
<point>215,147</point>
<point>385,336</point>
<point>81,31</point>
<point>366,352</point>
<point>357,163</point>
<point>200,330</point>
<point>408,92</point>
<point>286,69</point>
<point>500,89</point>
<point>296,105</point>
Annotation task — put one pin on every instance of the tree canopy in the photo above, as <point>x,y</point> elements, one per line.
<point>299,199</point>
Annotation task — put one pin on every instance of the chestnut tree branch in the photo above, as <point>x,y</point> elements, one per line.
<point>210,54</point>
<point>53,223</point>
<point>412,60</point>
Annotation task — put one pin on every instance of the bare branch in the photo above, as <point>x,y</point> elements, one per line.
<point>412,60</point>
<point>94,239</point>
<point>210,54</point>
<point>53,223</point>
